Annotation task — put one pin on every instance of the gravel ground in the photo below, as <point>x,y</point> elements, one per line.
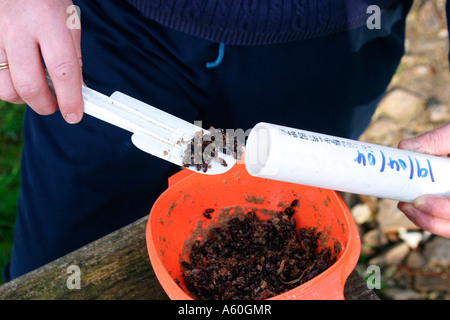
<point>414,264</point>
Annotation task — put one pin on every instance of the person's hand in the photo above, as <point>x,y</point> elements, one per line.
<point>32,31</point>
<point>431,213</point>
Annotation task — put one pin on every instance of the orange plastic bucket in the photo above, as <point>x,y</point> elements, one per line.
<point>178,214</point>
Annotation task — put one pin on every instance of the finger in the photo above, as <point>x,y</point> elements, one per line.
<point>425,221</point>
<point>62,61</point>
<point>434,205</point>
<point>7,90</point>
<point>75,30</point>
<point>436,142</point>
<point>28,78</point>
<point>76,38</point>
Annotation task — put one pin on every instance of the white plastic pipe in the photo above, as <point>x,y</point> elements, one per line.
<point>314,159</point>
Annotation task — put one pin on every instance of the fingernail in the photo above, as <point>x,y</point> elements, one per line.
<point>411,144</point>
<point>72,118</point>
<point>409,209</point>
<point>422,204</point>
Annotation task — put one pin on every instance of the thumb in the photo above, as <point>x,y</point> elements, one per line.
<point>435,142</point>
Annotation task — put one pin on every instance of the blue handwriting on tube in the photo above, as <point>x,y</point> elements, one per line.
<point>386,163</point>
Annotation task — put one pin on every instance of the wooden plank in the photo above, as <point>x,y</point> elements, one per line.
<point>356,288</point>
<point>114,267</point>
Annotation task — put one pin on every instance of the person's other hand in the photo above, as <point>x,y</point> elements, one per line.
<point>32,31</point>
<point>431,213</point>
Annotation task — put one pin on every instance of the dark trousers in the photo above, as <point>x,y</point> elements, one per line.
<point>80,182</point>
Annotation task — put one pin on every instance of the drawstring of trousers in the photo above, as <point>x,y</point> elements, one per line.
<point>219,58</point>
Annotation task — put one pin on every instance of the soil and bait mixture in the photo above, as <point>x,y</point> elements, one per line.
<point>254,259</point>
<point>206,147</point>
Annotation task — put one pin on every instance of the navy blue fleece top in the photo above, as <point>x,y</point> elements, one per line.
<point>250,22</point>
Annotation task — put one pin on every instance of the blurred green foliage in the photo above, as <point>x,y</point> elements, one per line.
<point>10,149</point>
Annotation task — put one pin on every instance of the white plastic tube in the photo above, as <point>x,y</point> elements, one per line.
<point>314,159</point>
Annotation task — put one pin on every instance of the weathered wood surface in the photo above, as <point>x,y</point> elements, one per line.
<point>117,267</point>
